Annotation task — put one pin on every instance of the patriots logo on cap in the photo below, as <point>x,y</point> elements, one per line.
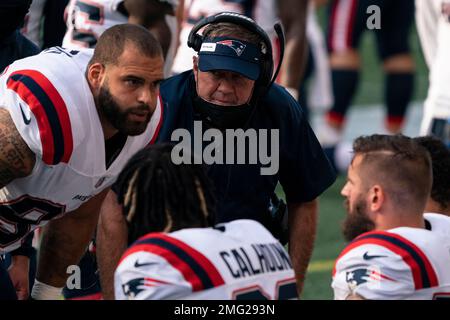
<point>237,46</point>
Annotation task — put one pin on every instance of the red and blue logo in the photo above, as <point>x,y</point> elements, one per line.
<point>237,46</point>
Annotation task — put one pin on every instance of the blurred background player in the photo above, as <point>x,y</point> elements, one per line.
<point>396,252</point>
<point>170,214</point>
<point>88,19</point>
<point>433,26</point>
<point>347,20</point>
<point>310,82</point>
<point>45,23</point>
<point>293,15</point>
<point>439,200</point>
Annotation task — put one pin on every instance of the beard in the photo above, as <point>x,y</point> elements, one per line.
<point>357,222</point>
<point>120,119</point>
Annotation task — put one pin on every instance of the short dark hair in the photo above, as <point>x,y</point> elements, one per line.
<point>398,164</point>
<point>440,159</point>
<point>112,42</point>
<point>160,196</point>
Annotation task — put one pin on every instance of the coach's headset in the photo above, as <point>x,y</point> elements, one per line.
<point>266,65</point>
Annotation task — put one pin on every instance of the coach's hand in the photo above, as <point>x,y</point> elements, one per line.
<point>18,272</point>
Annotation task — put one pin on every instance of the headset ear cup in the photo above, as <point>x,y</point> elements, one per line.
<point>196,42</point>
<point>266,72</point>
<point>264,79</point>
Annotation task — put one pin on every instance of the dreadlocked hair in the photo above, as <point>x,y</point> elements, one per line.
<point>160,196</point>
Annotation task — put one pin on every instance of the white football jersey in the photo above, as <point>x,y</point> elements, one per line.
<point>235,260</point>
<point>263,12</point>
<point>51,104</point>
<point>401,263</point>
<point>88,19</point>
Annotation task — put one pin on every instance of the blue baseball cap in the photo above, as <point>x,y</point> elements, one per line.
<point>225,53</point>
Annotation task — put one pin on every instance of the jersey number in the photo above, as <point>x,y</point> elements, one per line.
<point>441,296</point>
<point>285,290</point>
<point>17,217</point>
<point>92,14</point>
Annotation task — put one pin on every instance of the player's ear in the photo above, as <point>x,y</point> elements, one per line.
<point>195,67</point>
<point>95,74</point>
<point>376,198</point>
<point>195,63</point>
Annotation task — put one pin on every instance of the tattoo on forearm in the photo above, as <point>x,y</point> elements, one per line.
<point>16,159</point>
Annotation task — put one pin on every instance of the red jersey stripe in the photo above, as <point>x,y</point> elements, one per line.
<point>60,107</point>
<point>188,274</point>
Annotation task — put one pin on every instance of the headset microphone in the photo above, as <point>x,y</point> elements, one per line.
<point>280,34</point>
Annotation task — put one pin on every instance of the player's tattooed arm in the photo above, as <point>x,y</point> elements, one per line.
<point>16,158</point>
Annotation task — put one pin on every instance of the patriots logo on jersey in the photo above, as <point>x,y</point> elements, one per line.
<point>133,287</point>
<point>237,46</point>
<point>358,276</point>
<point>371,275</point>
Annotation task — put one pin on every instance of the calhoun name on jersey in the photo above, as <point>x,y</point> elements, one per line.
<point>235,260</point>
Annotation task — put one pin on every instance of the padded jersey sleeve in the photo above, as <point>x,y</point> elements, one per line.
<point>383,278</point>
<point>375,270</point>
<point>38,112</point>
